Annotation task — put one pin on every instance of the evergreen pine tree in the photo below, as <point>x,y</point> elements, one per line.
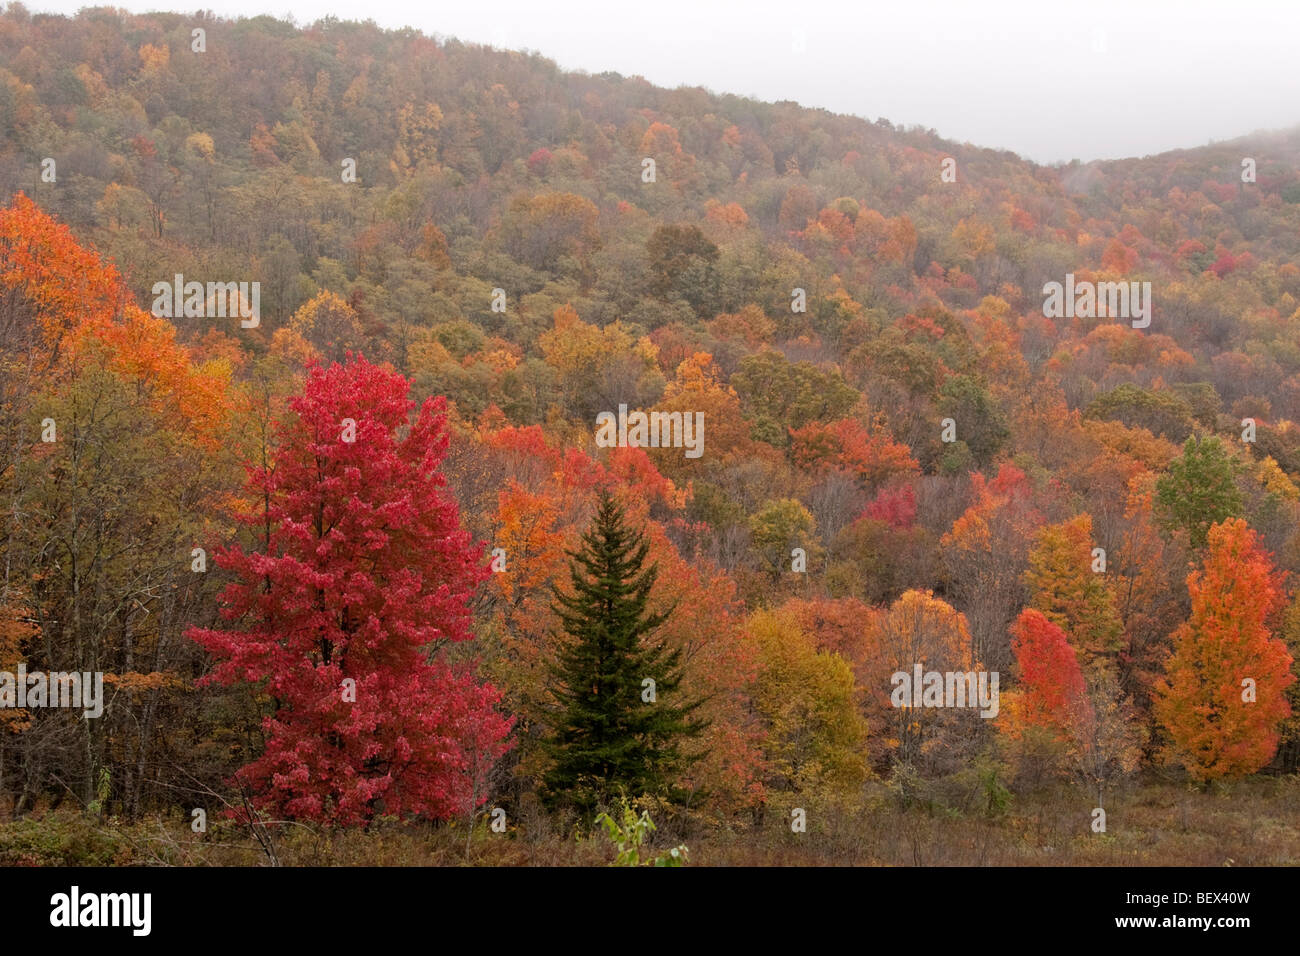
<point>609,738</point>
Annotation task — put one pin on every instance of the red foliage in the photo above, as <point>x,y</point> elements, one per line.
<point>896,507</point>
<point>1050,676</point>
<point>539,162</point>
<point>363,567</point>
<point>870,457</point>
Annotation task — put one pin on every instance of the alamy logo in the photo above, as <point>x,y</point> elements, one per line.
<point>24,690</point>
<point>215,300</point>
<point>947,689</point>
<point>651,430</point>
<point>1098,300</point>
<point>102,909</point>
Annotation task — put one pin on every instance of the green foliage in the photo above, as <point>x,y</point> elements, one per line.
<point>460,338</point>
<point>779,527</point>
<point>910,364</point>
<point>629,835</point>
<point>682,265</point>
<point>102,791</point>
<point>1203,400</point>
<point>791,394</point>
<point>1161,413</point>
<point>957,459</point>
<point>1199,490</point>
<point>608,737</point>
<point>60,839</point>
<point>981,423</point>
<point>997,798</point>
<point>712,504</point>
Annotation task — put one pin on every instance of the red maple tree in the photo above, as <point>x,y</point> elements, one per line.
<point>1054,693</point>
<point>364,573</point>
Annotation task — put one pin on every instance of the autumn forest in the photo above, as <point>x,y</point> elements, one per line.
<point>413,453</point>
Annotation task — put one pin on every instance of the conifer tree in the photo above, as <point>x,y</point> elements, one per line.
<point>615,732</point>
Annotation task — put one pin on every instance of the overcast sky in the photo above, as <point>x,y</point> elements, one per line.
<point>1050,79</point>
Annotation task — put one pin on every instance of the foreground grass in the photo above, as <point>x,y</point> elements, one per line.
<point>1251,823</point>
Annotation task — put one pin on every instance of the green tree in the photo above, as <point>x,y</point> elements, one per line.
<point>777,394</point>
<point>683,265</point>
<point>778,528</point>
<point>1162,413</point>
<point>615,731</point>
<point>1199,490</point>
<point>981,423</point>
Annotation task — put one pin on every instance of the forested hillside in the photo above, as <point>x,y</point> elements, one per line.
<point>390,471</point>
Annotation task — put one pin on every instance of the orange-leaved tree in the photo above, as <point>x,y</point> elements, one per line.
<point>1223,695</point>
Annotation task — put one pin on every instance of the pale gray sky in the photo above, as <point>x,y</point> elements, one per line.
<point>1049,79</point>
